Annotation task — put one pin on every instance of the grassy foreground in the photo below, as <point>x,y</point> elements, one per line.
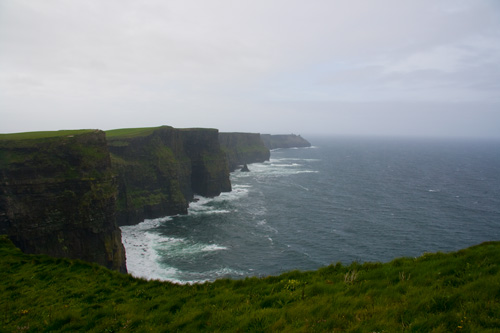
<point>455,292</point>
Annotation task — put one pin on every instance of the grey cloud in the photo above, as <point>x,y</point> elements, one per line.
<point>109,64</point>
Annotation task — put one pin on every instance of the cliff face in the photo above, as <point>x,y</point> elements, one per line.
<point>57,196</point>
<point>210,173</point>
<point>284,141</point>
<point>160,169</point>
<point>243,148</point>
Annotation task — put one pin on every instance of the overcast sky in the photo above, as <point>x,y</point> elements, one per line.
<point>386,67</point>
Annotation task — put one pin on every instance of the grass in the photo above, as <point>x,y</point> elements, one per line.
<point>51,155</point>
<point>43,135</point>
<point>454,292</point>
<point>144,131</point>
<point>131,132</point>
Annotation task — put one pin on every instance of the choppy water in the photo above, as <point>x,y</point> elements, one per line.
<point>344,199</point>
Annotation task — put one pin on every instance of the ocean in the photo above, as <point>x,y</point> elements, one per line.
<point>341,200</point>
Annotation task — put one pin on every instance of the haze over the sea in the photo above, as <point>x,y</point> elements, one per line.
<point>388,67</point>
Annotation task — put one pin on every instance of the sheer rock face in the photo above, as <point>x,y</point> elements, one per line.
<point>284,141</point>
<point>210,173</point>
<point>160,169</point>
<point>243,148</point>
<point>57,197</point>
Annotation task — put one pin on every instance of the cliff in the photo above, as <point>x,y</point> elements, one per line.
<point>284,141</point>
<point>160,169</point>
<point>243,148</point>
<point>57,196</point>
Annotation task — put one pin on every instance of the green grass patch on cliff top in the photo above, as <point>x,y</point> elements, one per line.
<point>144,131</point>
<point>132,132</point>
<point>43,135</point>
<point>455,292</point>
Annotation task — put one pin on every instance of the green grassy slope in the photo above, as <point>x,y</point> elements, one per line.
<point>455,292</point>
<point>42,135</point>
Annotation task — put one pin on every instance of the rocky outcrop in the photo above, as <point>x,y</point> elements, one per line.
<point>160,169</point>
<point>57,196</point>
<point>284,141</point>
<point>243,148</point>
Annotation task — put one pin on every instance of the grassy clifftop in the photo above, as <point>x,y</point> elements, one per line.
<point>42,135</point>
<point>455,292</point>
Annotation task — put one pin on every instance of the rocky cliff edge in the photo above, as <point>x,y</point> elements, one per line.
<point>57,196</point>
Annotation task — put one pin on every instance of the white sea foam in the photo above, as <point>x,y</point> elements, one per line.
<point>286,165</point>
<point>207,206</point>
<point>266,227</point>
<point>213,247</point>
<point>189,248</point>
<point>142,258</point>
<point>145,248</point>
<point>203,210</point>
<point>296,159</point>
<point>274,167</point>
<point>200,277</point>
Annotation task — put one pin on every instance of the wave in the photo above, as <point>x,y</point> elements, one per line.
<point>148,251</point>
<point>139,243</point>
<point>179,248</point>
<point>296,159</point>
<point>211,275</point>
<point>274,167</point>
<point>213,247</point>
<point>266,227</point>
<point>207,211</point>
<point>286,165</point>
<point>293,148</point>
<point>217,205</point>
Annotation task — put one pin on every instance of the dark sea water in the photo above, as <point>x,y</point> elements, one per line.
<point>344,199</point>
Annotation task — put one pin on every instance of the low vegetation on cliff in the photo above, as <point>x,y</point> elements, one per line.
<point>454,292</point>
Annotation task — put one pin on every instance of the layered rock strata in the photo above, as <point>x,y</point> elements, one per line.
<point>57,196</point>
